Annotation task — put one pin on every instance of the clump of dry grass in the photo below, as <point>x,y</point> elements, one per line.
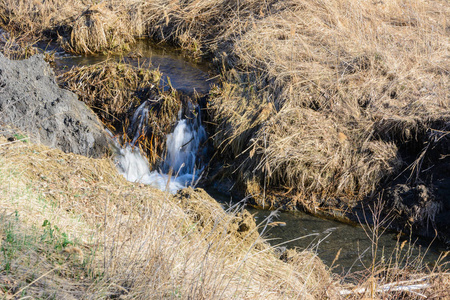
<point>111,88</point>
<point>15,48</point>
<point>302,150</point>
<point>80,26</point>
<point>134,241</point>
<point>115,90</point>
<point>102,27</point>
<point>35,18</point>
<point>202,26</point>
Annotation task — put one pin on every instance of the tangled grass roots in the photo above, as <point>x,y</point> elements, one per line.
<point>114,90</point>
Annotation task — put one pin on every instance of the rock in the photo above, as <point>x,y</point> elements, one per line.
<point>31,101</point>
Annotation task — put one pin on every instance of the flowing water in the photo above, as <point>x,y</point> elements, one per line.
<point>182,167</point>
<point>295,229</point>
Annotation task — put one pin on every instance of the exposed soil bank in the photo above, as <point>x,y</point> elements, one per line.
<point>31,101</point>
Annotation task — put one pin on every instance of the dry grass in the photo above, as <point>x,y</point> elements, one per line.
<point>319,99</point>
<point>114,91</point>
<point>346,82</point>
<point>100,28</point>
<point>131,241</point>
<point>36,18</point>
<point>71,227</point>
<point>81,26</point>
<point>400,274</point>
<point>15,47</point>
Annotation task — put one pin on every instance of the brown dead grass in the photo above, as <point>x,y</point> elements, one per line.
<point>114,90</point>
<point>100,28</point>
<point>135,242</point>
<point>81,26</point>
<point>376,73</point>
<point>16,48</point>
<point>132,241</point>
<point>111,88</point>
<point>33,18</point>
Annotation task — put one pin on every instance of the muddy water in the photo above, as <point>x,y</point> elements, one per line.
<point>296,229</point>
<point>353,243</point>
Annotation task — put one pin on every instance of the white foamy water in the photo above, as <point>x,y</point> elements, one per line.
<point>182,145</point>
<point>139,122</point>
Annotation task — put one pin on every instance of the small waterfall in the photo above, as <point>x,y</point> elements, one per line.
<point>139,122</point>
<point>183,146</point>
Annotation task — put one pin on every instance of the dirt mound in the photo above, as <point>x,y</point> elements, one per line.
<point>31,101</point>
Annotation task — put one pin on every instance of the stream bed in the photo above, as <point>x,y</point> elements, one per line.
<point>295,229</point>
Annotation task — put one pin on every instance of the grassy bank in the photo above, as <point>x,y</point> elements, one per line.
<point>318,100</point>
<point>72,227</point>
<point>322,103</point>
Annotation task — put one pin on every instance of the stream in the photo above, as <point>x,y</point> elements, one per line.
<point>295,229</point>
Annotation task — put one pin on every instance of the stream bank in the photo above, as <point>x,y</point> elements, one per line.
<point>110,72</point>
<point>319,119</point>
<point>137,89</point>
